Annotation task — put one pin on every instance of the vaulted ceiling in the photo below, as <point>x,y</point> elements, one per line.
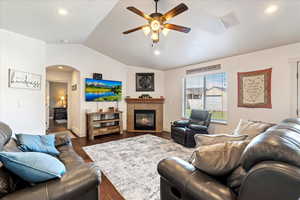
<point>220,28</point>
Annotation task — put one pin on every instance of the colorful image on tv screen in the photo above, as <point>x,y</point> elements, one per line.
<point>102,90</point>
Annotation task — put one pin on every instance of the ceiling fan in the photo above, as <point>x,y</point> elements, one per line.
<point>157,22</point>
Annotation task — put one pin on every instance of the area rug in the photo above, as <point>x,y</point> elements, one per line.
<point>131,164</point>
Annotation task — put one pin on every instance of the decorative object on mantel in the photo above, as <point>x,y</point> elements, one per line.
<point>145,96</point>
<point>145,82</point>
<point>24,80</point>
<point>254,89</point>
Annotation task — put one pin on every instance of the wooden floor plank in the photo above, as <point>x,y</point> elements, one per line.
<point>107,189</point>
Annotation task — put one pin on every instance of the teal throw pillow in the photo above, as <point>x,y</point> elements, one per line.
<point>33,167</point>
<point>37,143</point>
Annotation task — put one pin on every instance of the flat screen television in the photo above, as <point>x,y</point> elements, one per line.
<point>102,90</point>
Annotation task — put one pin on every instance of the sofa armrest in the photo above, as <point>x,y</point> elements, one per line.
<point>181,123</point>
<point>196,127</point>
<point>72,185</point>
<point>190,183</point>
<point>271,180</point>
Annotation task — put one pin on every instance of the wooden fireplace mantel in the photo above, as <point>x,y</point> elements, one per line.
<point>156,104</point>
<point>145,100</point>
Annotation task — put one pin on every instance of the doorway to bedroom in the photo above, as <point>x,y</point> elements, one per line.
<point>62,100</point>
<point>58,106</point>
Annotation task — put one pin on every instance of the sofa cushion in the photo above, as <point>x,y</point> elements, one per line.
<point>62,139</point>
<point>5,134</point>
<point>219,159</point>
<point>33,167</point>
<point>217,138</point>
<point>37,143</point>
<point>251,128</point>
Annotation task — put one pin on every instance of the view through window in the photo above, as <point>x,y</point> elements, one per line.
<point>207,92</point>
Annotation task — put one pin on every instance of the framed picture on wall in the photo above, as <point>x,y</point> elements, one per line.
<point>24,80</point>
<point>254,89</point>
<point>145,82</point>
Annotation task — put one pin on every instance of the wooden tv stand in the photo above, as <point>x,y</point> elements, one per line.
<point>103,123</point>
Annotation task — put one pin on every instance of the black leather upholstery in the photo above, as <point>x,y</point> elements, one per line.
<point>181,180</point>
<point>271,171</point>
<point>81,180</point>
<point>183,131</point>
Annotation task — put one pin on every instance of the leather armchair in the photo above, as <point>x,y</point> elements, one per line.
<point>183,131</point>
<point>81,180</point>
<point>271,162</point>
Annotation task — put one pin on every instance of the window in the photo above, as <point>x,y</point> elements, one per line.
<point>207,92</point>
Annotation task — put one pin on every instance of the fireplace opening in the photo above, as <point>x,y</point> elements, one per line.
<point>144,120</point>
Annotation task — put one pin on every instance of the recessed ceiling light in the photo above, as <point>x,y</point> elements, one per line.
<point>60,67</point>
<point>62,12</point>
<point>156,52</point>
<point>271,9</point>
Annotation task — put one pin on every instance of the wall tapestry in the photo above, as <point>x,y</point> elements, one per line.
<point>254,89</point>
<point>24,80</point>
<point>144,82</point>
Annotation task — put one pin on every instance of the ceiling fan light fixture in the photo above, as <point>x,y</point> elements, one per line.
<point>155,37</point>
<point>165,31</point>
<point>155,25</point>
<point>146,30</point>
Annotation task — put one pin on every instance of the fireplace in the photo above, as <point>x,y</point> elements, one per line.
<point>144,120</point>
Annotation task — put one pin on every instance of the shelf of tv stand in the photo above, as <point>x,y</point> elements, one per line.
<point>95,119</point>
<point>105,121</point>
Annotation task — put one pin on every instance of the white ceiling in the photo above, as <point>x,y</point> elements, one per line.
<point>40,19</point>
<point>99,25</point>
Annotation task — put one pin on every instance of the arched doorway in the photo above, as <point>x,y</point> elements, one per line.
<point>63,99</point>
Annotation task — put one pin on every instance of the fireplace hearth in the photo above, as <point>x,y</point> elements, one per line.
<point>144,120</point>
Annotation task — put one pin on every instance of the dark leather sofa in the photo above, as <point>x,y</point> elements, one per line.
<point>270,171</point>
<point>81,180</point>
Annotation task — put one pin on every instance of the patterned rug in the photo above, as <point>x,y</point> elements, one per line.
<point>131,164</point>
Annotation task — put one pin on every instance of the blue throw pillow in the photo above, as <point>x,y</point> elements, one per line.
<point>33,167</point>
<point>37,143</point>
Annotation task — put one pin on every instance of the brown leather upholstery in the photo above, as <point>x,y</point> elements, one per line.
<point>81,180</point>
<point>271,171</point>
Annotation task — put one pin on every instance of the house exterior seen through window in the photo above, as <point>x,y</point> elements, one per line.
<point>206,92</point>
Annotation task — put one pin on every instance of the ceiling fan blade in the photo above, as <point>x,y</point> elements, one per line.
<point>140,13</point>
<point>177,28</point>
<point>135,29</point>
<point>175,11</point>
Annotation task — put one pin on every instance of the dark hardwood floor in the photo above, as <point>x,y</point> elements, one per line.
<point>107,190</point>
<point>56,127</point>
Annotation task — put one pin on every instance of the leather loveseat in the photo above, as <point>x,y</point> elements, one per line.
<point>81,180</point>
<point>270,170</point>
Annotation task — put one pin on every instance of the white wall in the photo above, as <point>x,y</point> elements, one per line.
<point>277,58</point>
<point>23,110</point>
